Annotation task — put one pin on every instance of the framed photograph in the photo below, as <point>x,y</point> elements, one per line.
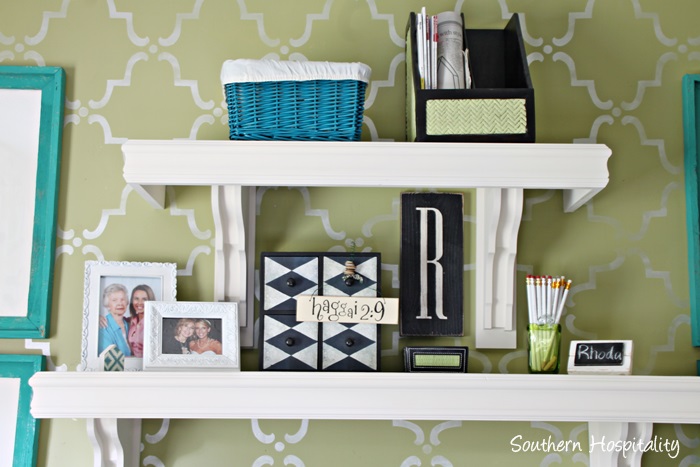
<point>192,335</point>
<point>31,128</point>
<point>114,308</point>
<point>20,431</point>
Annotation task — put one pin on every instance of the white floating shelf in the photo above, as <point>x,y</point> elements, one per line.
<point>617,408</point>
<point>579,169</point>
<point>366,396</point>
<point>499,172</point>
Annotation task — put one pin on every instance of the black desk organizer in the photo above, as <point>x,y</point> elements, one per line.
<point>290,345</point>
<point>500,106</point>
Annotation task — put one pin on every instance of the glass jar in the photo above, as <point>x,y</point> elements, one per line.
<point>543,343</point>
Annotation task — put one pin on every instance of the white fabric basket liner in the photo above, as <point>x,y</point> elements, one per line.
<point>245,70</point>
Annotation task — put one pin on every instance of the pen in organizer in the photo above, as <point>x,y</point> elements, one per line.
<point>546,298</point>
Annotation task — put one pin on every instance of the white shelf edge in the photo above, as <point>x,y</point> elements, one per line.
<point>367,164</point>
<point>366,396</point>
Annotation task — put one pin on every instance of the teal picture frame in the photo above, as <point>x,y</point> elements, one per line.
<point>51,82</point>
<point>691,150</point>
<point>26,442</point>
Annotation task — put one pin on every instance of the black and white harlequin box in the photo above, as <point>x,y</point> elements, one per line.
<point>287,344</point>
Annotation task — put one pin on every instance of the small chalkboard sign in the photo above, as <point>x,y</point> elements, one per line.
<point>599,353</point>
<point>600,357</point>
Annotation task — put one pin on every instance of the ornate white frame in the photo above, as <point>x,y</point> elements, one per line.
<point>155,359</point>
<point>92,302</point>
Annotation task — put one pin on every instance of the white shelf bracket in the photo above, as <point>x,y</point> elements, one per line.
<point>602,433</point>
<point>233,208</point>
<point>115,442</point>
<point>498,215</point>
<point>153,194</point>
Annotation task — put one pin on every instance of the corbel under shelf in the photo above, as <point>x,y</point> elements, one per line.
<point>499,172</point>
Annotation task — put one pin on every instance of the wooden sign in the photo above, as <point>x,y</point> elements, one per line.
<point>431,267</point>
<point>330,309</point>
<point>606,357</point>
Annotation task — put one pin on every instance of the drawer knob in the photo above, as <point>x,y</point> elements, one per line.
<point>289,341</point>
<point>291,282</point>
<point>349,342</point>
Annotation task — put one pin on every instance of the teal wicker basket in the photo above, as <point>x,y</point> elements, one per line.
<point>303,101</point>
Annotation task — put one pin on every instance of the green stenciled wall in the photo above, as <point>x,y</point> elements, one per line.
<point>604,71</point>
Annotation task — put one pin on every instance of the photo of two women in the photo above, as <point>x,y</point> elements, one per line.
<point>121,321</point>
<point>192,336</point>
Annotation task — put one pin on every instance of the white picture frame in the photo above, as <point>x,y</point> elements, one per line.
<point>99,332</point>
<point>164,319</point>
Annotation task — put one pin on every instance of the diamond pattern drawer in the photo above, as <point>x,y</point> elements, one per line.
<point>285,277</point>
<point>287,344</point>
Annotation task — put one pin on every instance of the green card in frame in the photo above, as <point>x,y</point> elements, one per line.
<point>691,130</point>
<point>15,371</point>
<point>436,359</point>
<point>31,127</point>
